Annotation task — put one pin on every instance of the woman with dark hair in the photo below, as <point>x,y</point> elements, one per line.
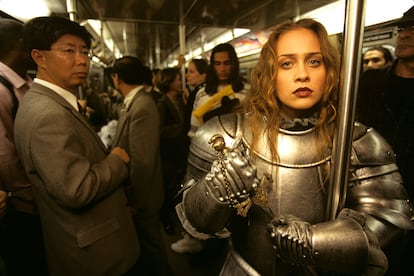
<point>224,89</point>
<point>172,139</point>
<point>196,79</point>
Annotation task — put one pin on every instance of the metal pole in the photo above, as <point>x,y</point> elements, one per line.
<point>157,46</point>
<point>350,71</point>
<point>102,37</point>
<point>181,31</point>
<point>72,9</point>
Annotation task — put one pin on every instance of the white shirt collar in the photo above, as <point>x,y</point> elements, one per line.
<point>131,94</point>
<point>67,95</point>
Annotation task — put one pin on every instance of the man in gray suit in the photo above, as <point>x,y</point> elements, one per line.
<point>138,132</point>
<point>87,227</point>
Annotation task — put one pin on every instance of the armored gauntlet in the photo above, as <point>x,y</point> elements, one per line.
<point>342,245</point>
<point>230,182</point>
<point>232,178</point>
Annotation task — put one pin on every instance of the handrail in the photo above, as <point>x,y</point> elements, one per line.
<point>350,71</point>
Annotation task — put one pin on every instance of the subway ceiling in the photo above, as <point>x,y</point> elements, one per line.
<point>149,29</point>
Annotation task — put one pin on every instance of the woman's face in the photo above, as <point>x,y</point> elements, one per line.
<point>301,72</point>
<point>176,85</point>
<point>194,78</point>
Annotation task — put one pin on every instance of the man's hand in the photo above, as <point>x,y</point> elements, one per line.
<point>3,203</point>
<point>121,153</point>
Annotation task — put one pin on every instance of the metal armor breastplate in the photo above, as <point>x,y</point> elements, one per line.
<point>298,178</point>
<point>297,187</point>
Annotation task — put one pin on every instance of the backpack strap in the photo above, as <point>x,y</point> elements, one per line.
<point>9,86</point>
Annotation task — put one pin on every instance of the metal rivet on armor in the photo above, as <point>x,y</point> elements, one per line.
<point>221,199</point>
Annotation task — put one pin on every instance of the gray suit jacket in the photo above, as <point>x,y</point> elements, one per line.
<point>138,133</point>
<point>87,227</point>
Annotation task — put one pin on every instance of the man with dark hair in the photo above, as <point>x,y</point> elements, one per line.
<point>138,132</point>
<point>87,227</point>
<point>20,229</point>
<point>376,57</point>
<point>225,87</point>
<point>386,102</point>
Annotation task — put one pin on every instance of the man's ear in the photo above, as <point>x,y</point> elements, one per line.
<point>38,57</point>
<point>115,78</point>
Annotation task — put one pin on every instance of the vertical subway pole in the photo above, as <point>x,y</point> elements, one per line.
<point>157,46</point>
<point>102,36</point>
<point>349,76</point>
<point>181,32</point>
<point>72,10</point>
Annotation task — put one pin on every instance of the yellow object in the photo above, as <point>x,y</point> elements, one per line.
<point>203,109</point>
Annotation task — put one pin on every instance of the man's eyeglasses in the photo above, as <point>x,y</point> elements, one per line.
<point>71,52</point>
<point>405,28</point>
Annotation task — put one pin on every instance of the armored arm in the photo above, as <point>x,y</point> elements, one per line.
<point>376,186</point>
<point>229,184</point>
<point>219,178</point>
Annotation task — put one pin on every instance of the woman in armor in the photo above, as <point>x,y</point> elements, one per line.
<point>261,176</point>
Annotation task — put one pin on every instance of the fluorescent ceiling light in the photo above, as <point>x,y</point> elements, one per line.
<point>24,10</point>
<point>239,32</point>
<point>96,25</point>
<point>229,36</point>
<point>332,16</point>
<point>385,10</point>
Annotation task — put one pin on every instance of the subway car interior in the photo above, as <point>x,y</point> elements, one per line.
<point>158,32</point>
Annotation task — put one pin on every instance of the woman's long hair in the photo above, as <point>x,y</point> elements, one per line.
<point>262,104</point>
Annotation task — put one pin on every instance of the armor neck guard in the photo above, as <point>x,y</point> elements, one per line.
<point>296,148</point>
<point>299,123</point>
